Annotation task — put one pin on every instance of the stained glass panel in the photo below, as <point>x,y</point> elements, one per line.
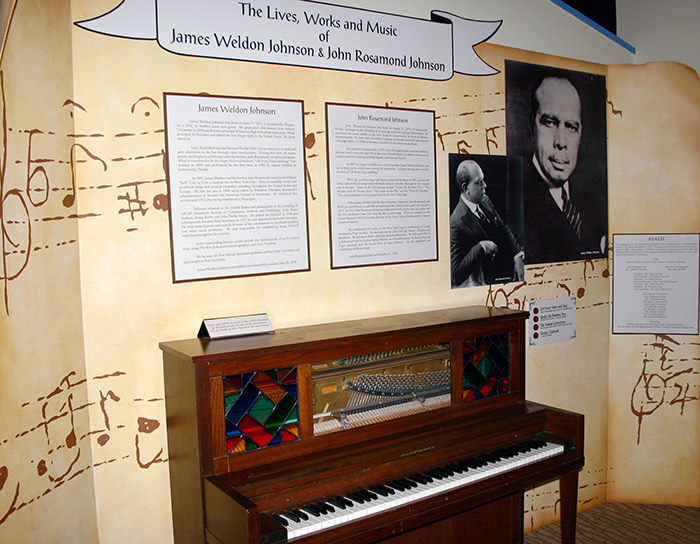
<point>260,409</point>
<point>486,366</point>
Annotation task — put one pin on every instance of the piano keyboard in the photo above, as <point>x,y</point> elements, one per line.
<point>330,512</point>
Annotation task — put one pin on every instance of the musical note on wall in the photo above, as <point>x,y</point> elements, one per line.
<point>669,378</point>
<point>59,453</point>
<point>32,204</point>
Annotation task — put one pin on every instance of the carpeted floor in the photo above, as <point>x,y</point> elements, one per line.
<point>614,523</point>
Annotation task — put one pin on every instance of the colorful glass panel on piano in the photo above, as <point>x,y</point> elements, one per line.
<point>374,387</point>
<point>261,409</point>
<point>486,365</point>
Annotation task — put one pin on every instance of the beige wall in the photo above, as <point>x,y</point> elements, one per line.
<point>46,477</point>
<point>654,379</point>
<point>117,280</point>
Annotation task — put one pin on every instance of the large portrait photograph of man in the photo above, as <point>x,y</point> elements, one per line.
<point>485,220</point>
<point>555,120</point>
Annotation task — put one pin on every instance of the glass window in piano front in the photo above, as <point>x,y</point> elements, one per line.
<point>486,366</point>
<point>357,391</point>
<point>261,409</point>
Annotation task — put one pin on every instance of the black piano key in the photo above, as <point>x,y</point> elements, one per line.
<point>536,443</point>
<point>427,478</point>
<point>325,506</point>
<point>364,495</point>
<point>321,508</point>
<point>379,491</point>
<point>311,509</point>
<point>389,490</point>
<point>280,520</point>
<point>454,467</point>
<point>356,497</point>
<point>301,514</point>
<point>435,473</point>
<point>393,485</point>
<point>420,478</point>
<point>524,447</point>
<point>370,495</point>
<point>466,464</point>
<point>483,460</point>
<point>339,502</point>
<point>399,485</point>
<point>410,483</point>
<point>292,516</point>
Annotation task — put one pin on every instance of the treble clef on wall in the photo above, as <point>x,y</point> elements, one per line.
<point>16,227</point>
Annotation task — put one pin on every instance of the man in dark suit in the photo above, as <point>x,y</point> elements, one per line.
<point>559,216</point>
<point>483,249</point>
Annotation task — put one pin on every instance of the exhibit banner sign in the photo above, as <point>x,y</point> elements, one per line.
<point>655,283</point>
<point>236,183</point>
<point>303,33</point>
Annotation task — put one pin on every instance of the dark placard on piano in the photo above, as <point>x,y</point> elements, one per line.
<point>400,430</point>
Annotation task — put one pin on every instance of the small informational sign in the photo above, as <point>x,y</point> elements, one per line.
<point>382,185</point>
<point>655,283</point>
<point>552,320</point>
<point>225,327</point>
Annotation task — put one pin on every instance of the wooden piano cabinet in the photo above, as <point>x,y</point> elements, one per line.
<point>261,423</point>
<point>497,521</point>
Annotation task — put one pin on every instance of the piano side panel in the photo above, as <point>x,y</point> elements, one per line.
<point>571,424</point>
<point>183,453</point>
<point>230,517</point>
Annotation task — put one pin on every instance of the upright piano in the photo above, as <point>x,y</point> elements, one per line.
<point>397,430</point>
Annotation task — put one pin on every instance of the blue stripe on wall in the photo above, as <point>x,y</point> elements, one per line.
<point>595,25</point>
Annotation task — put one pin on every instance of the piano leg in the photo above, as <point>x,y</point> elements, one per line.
<point>518,523</point>
<point>568,491</point>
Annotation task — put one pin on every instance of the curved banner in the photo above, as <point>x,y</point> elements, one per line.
<point>304,33</point>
